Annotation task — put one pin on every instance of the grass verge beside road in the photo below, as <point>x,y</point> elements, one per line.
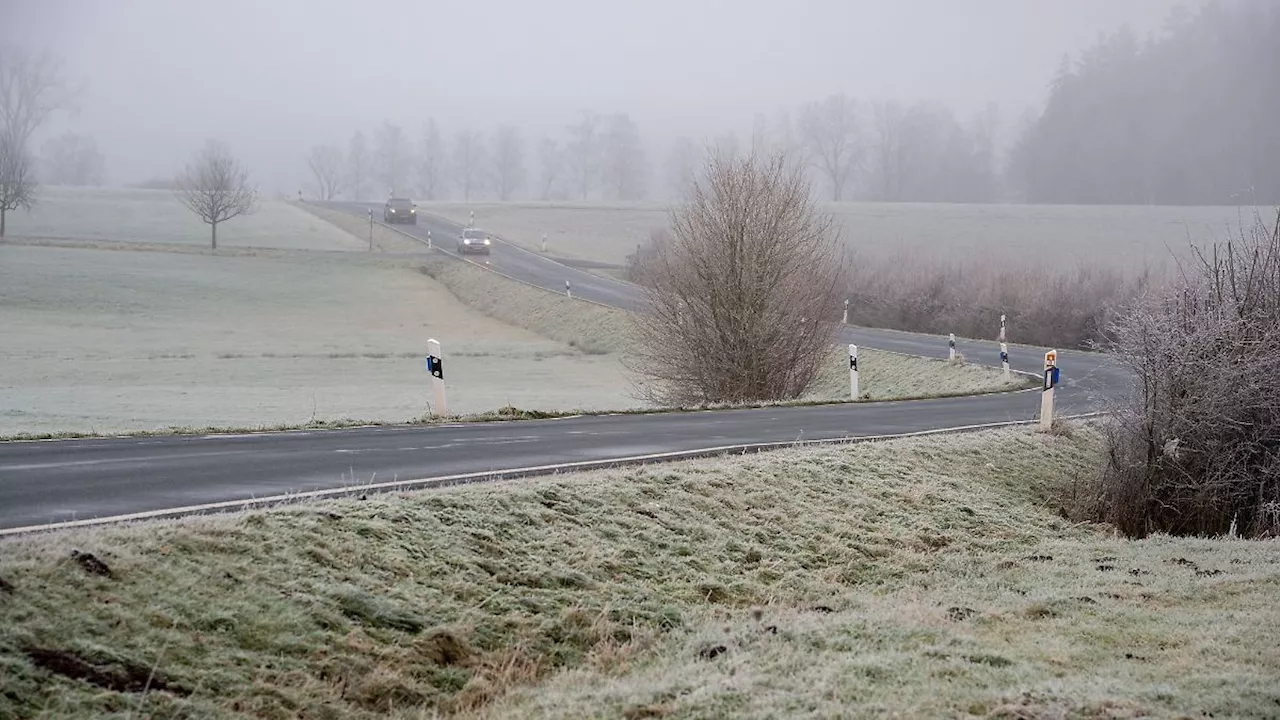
<point>927,577</point>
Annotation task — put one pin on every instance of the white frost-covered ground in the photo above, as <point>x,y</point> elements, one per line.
<point>112,340</point>
<point>156,216</point>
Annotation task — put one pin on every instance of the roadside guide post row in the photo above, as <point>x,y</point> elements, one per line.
<point>435,366</point>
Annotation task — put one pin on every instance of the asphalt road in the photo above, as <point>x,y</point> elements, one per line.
<point>47,482</point>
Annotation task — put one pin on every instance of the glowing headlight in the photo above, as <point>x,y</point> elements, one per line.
<point>413,210</point>
<point>466,241</point>
<point>486,241</point>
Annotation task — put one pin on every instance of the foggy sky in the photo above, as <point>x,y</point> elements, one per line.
<point>273,77</point>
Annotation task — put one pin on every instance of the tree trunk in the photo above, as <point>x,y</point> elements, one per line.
<point>215,235</point>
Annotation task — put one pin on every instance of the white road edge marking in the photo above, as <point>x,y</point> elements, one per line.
<point>494,475</point>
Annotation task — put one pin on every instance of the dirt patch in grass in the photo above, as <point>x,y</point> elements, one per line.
<point>121,676</point>
<point>889,576</point>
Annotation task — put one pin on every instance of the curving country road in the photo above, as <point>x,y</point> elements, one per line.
<point>86,481</point>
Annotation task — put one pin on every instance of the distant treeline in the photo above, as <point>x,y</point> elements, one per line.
<point>1188,116</point>
<point>1191,117</point>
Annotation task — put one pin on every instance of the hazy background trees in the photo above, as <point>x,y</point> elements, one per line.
<point>468,163</point>
<point>72,159</point>
<point>393,160</point>
<point>358,165</point>
<point>431,162</point>
<point>326,163</point>
<point>1186,118</point>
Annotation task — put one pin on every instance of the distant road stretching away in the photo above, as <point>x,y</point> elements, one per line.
<point>60,481</point>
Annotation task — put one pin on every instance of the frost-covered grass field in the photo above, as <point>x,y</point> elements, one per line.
<point>133,337</point>
<point>1121,236</point>
<point>921,578</point>
<point>115,340</point>
<point>156,216</point>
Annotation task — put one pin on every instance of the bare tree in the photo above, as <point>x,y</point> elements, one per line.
<point>583,152</point>
<point>215,187</point>
<point>393,158</point>
<point>72,159</point>
<point>830,132</point>
<point>551,163</point>
<point>624,159</point>
<point>32,88</point>
<point>508,161</point>
<point>17,182</point>
<point>358,165</point>
<point>468,162</point>
<point>736,291</point>
<point>888,121</point>
<point>431,162</point>
<point>326,162</point>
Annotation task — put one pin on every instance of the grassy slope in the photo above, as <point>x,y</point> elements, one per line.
<point>600,594</point>
<point>156,216</point>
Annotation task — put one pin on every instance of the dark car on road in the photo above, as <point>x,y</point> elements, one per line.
<point>474,240</point>
<point>400,210</point>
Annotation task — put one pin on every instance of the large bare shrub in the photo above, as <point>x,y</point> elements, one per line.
<point>215,187</point>
<point>737,289</point>
<point>1196,448</point>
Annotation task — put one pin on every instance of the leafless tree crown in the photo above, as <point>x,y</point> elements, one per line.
<point>17,181</point>
<point>326,163</point>
<point>832,136</point>
<point>736,289</point>
<point>216,188</point>
<point>31,89</point>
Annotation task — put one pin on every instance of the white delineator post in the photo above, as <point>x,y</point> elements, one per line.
<point>370,229</point>
<point>1046,394</point>
<point>567,290</point>
<point>435,365</point>
<point>428,239</point>
<point>853,371</point>
<point>544,243</point>
<point>845,320</point>
<point>951,347</point>
<point>1004,350</point>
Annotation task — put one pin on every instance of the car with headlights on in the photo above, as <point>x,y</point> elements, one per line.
<point>474,241</point>
<point>400,210</point>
